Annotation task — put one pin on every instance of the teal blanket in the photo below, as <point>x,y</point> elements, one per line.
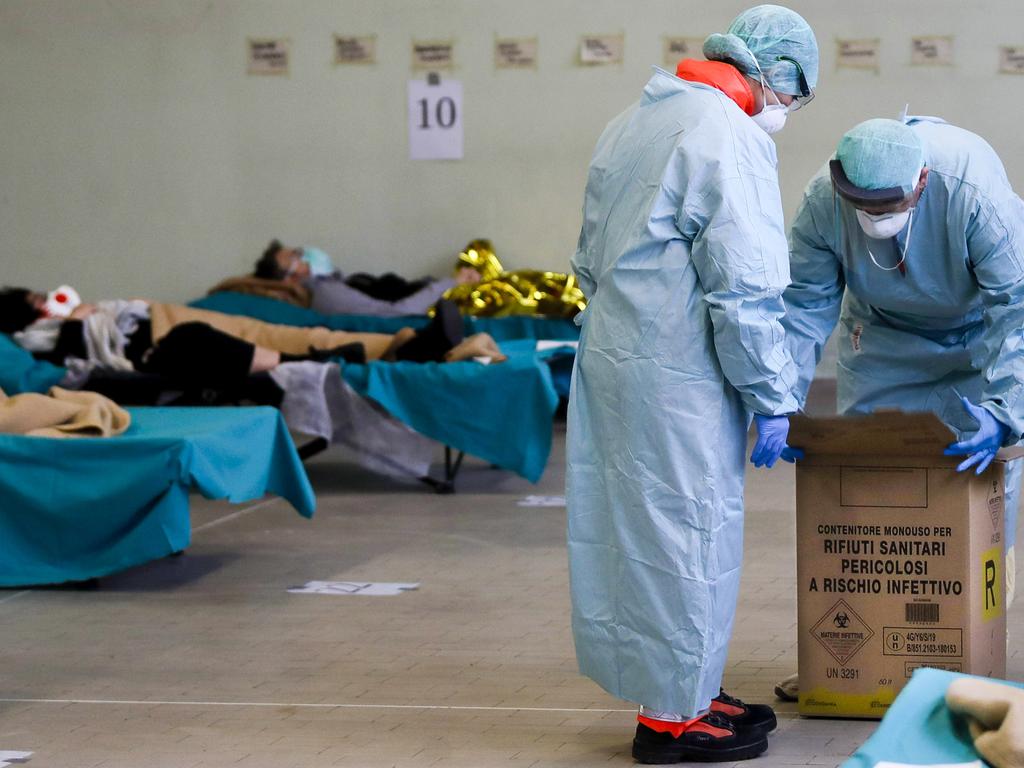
<point>274,311</point>
<point>75,509</point>
<point>20,372</point>
<point>919,728</point>
<point>501,413</point>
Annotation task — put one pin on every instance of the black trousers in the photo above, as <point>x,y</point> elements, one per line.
<point>196,355</point>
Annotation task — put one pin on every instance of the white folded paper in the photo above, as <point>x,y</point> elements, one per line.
<point>361,588</point>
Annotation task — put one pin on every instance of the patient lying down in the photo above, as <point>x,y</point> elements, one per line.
<point>199,347</point>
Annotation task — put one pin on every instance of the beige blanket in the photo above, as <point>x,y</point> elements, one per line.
<point>292,340</point>
<point>62,413</point>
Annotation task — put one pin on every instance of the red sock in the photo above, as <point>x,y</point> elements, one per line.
<point>668,726</point>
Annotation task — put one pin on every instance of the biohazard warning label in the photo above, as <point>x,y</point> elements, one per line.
<point>842,632</point>
<point>995,504</point>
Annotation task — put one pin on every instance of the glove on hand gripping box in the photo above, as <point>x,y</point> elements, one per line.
<point>900,560</point>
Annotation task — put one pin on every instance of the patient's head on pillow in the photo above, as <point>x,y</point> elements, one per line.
<point>19,308</point>
<point>267,266</point>
<point>279,262</point>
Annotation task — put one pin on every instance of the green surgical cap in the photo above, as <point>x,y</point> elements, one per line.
<point>882,154</point>
<point>771,38</point>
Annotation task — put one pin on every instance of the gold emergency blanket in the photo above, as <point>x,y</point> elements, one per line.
<point>521,292</point>
<point>61,413</point>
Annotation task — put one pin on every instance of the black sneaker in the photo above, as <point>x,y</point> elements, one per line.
<point>756,717</point>
<point>708,740</point>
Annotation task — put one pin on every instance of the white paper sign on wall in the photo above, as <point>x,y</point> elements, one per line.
<point>596,50</point>
<point>433,55</point>
<point>515,53</point>
<point>677,48</point>
<point>268,56</point>
<point>932,51</point>
<point>435,120</point>
<point>857,54</point>
<point>1011,59</point>
<point>355,50</point>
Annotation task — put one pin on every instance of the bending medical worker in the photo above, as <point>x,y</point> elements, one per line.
<point>914,231</point>
<point>683,258</point>
<point>913,241</point>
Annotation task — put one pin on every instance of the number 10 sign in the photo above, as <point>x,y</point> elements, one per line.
<point>435,120</point>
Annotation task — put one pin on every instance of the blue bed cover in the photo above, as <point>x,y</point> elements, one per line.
<point>75,509</point>
<point>500,413</point>
<point>919,728</point>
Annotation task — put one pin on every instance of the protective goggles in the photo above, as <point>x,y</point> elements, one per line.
<point>860,197</point>
<point>806,94</point>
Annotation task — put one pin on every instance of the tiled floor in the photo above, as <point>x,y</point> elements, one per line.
<point>206,660</point>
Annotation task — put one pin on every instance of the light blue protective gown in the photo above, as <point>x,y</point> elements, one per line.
<point>953,325</point>
<point>683,259</point>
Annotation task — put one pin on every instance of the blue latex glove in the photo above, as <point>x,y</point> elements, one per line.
<point>771,442</point>
<point>981,448</point>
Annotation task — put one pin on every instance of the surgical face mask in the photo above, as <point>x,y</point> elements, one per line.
<point>61,302</point>
<point>772,117</point>
<point>882,226</point>
<point>318,261</point>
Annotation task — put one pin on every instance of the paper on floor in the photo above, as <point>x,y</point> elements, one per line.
<point>544,345</point>
<point>370,589</point>
<point>975,764</point>
<point>541,501</point>
<point>8,757</point>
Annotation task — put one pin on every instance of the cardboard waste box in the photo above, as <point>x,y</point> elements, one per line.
<point>900,561</point>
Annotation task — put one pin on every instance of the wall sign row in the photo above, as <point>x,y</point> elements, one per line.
<point>271,56</point>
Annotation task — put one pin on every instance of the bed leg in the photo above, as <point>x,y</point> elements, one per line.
<point>451,471</point>
<point>452,468</point>
<point>312,448</point>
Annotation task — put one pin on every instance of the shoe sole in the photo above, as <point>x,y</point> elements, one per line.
<point>764,728</point>
<point>650,755</point>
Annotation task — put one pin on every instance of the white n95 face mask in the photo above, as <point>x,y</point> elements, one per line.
<point>882,226</point>
<point>772,118</point>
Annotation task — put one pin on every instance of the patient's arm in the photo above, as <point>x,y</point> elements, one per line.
<point>82,311</point>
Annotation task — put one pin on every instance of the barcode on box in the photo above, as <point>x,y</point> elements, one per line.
<point>922,612</point>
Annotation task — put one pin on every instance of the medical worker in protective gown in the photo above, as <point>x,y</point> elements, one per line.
<point>683,260</point>
<point>912,240</point>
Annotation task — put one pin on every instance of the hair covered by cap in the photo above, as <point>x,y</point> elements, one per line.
<point>762,39</point>
<point>882,154</point>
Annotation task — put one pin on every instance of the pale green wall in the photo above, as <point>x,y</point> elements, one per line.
<point>137,158</point>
